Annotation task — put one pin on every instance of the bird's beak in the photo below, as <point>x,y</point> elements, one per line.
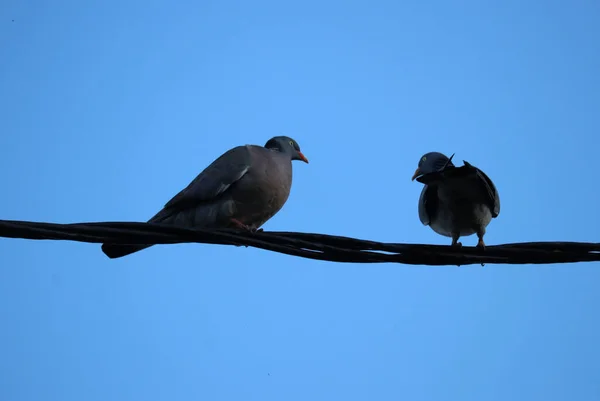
<point>302,157</point>
<point>417,173</point>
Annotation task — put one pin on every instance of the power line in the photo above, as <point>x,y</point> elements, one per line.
<point>313,246</point>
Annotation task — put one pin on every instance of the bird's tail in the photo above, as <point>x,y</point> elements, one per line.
<point>114,251</point>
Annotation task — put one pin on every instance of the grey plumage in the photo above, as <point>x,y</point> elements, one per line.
<point>455,201</point>
<point>243,188</point>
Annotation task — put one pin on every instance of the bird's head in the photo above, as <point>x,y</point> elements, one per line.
<point>288,146</point>
<point>432,162</point>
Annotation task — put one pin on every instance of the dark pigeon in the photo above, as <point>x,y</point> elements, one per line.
<point>455,201</point>
<point>243,188</point>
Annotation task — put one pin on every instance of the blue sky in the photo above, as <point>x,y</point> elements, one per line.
<point>108,109</point>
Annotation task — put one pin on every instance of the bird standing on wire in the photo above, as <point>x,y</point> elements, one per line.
<point>243,188</point>
<point>455,201</point>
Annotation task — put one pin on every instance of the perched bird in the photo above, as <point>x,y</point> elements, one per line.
<point>243,188</point>
<point>455,201</point>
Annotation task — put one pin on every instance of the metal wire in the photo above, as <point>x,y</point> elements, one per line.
<point>312,246</point>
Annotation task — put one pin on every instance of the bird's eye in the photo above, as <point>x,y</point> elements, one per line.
<point>423,159</point>
<point>292,143</point>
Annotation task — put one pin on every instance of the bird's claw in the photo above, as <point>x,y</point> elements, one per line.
<point>246,227</point>
<point>481,244</point>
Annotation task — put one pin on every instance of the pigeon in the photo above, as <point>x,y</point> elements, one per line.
<point>455,201</point>
<point>243,188</point>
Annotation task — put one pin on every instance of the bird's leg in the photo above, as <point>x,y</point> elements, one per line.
<point>480,243</point>
<point>246,227</point>
<point>455,242</point>
<point>240,225</point>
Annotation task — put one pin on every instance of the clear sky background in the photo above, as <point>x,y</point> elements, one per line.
<point>109,108</point>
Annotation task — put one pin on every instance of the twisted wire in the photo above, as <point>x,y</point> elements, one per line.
<point>307,245</point>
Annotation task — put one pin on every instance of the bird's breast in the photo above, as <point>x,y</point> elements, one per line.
<point>263,193</point>
<point>459,211</point>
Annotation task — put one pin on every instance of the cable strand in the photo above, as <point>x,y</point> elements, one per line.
<point>307,245</point>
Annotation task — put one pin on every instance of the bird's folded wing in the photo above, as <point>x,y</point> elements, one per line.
<point>214,180</point>
<point>427,204</point>
<point>491,191</point>
<point>492,196</point>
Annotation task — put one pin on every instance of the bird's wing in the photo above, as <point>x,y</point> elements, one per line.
<point>491,193</point>
<point>230,167</point>
<point>427,203</point>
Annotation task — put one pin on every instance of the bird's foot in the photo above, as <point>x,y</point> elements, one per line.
<point>456,244</point>
<point>240,225</point>
<point>481,244</point>
<point>245,227</point>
